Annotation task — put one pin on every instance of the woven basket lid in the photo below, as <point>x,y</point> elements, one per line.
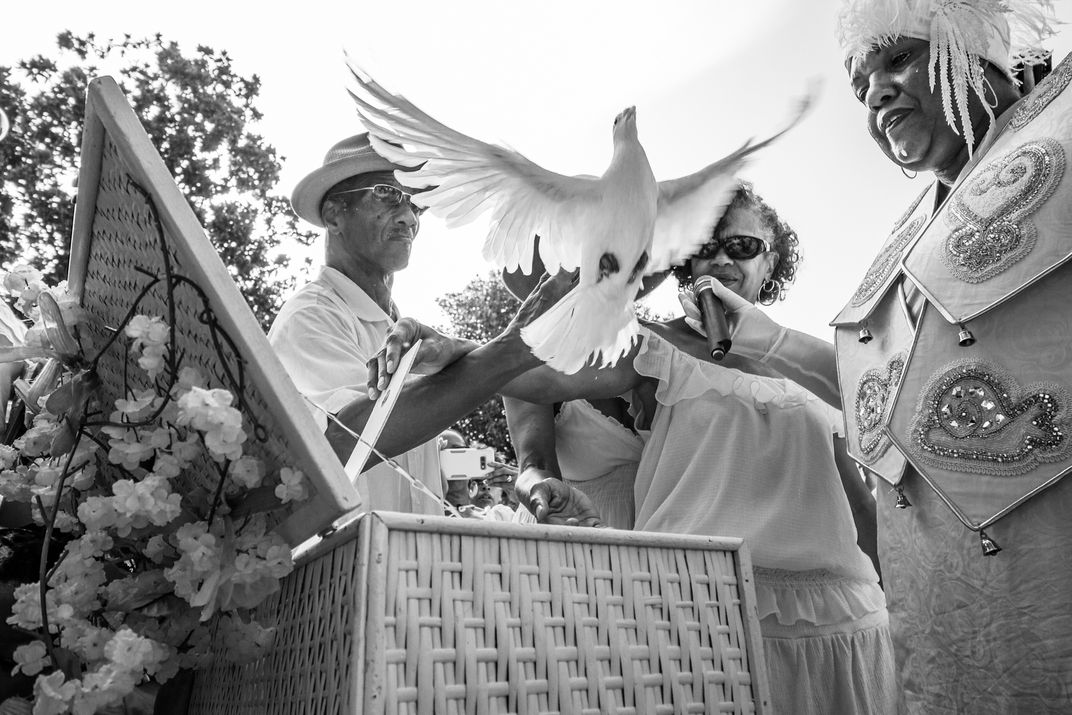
<point>133,230</point>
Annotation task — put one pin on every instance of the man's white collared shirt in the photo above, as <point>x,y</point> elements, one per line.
<point>324,334</point>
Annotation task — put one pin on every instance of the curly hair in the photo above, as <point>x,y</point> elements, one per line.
<point>785,243</point>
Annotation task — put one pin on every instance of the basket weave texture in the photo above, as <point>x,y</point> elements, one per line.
<point>137,247</point>
<point>124,258</point>
<point>406,614</point>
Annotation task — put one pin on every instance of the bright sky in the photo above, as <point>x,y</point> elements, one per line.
<point>547,77</point>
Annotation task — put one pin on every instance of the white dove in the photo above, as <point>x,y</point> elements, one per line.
<point>616,228</point>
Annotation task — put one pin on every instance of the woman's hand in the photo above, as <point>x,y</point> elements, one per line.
<point>805,359</point>
<point>552,501</point>
<point>754,334</point>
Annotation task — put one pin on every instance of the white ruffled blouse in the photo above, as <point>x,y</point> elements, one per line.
<point>735,454</point>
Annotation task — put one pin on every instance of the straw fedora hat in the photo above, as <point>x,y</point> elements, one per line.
<point>350,157</point>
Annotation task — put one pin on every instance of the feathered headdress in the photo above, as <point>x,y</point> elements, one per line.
<point>1004,32</point>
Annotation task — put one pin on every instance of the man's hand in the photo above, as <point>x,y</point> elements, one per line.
<point>552,501</point>
<point>547,292</point>
<point>437,351</point>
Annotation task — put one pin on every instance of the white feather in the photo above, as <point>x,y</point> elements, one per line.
<point>614,228</point>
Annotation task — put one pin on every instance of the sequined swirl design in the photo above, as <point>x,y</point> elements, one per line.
<point>1043,94</point>
<point>873,394</point>
<point>975,418</point>
<point>991,214</point>
<point>885,261</point>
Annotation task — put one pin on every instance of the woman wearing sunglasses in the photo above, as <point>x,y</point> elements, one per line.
<point>734,449</point>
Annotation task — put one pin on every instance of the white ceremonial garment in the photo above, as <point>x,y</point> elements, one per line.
<point>324,335</point>
<point>599,456</point>
<point>735,454</point>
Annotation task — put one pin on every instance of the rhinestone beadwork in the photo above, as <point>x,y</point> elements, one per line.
<point>969,406</point>
<point>990,215</point>
<point>1043,94</point>
<point>873,394</point>
<point>885,261</point>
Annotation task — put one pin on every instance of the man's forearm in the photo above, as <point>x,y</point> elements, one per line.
<point>429,404</point>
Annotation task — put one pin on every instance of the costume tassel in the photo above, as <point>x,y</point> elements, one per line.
<point>902,501</point>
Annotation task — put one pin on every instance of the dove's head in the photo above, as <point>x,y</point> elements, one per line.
<point>625,125</point>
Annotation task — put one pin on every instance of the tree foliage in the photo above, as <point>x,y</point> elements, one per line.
<point>480,311</point>
<point>198,112</point>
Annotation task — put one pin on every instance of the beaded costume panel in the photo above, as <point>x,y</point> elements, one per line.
<point>874,393</point>
<point>990,216</point>
<point>974,417</point>
<point>1040,98</point>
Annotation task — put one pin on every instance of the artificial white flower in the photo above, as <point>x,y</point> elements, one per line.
<point>47,475</point>
<point>97,513</point>
<point>149,336</point>
<point>37,440</point>
<point>188,377</point>
<point>52,695</point>
<point>15,484</point>
<point>167,465</point>
<point>130,651</point>
<point>210,412</point>
<point>129,451</point>
<point>157,549</point>
<point>140,404</point>
<point>26,611</point>
<point>31,659</point>
<point>76,583</point>
<point>91,545</point>
<point>247,471</point>
<point>149,501</point>
<point>8,456</point>
<point>66,522</point>
<point>291,486</point>
<point>85,639</point>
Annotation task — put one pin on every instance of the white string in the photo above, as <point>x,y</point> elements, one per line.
<point>399,469</point>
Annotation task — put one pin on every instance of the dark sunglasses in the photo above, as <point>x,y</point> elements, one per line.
<point>390,195</point>
<point>739,248</point>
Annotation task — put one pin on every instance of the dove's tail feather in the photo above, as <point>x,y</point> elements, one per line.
<point>587,326</point>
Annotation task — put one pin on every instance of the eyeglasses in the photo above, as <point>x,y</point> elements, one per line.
<point>739,248</point>
<point>389,195</point>
<point>476,485</point>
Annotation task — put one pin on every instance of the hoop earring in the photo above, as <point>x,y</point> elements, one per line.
<point>986,86</point>
<point>907,175</point>
<point>770,288</point>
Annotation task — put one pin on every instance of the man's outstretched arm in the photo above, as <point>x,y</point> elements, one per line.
<point>465,376</point>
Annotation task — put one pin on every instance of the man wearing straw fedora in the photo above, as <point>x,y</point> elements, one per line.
<point>327,331</point>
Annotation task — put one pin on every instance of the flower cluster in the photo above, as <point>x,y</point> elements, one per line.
<point>157,574</point>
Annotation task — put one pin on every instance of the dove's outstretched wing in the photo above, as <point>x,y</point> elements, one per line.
<point>691,206</point>
<point>471,177</point>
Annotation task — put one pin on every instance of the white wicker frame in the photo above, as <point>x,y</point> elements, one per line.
<point>406,614</point>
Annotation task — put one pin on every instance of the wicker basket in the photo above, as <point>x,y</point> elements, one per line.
<point>406,614</point>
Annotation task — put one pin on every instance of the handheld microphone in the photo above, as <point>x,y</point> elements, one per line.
<point>714,318</point>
